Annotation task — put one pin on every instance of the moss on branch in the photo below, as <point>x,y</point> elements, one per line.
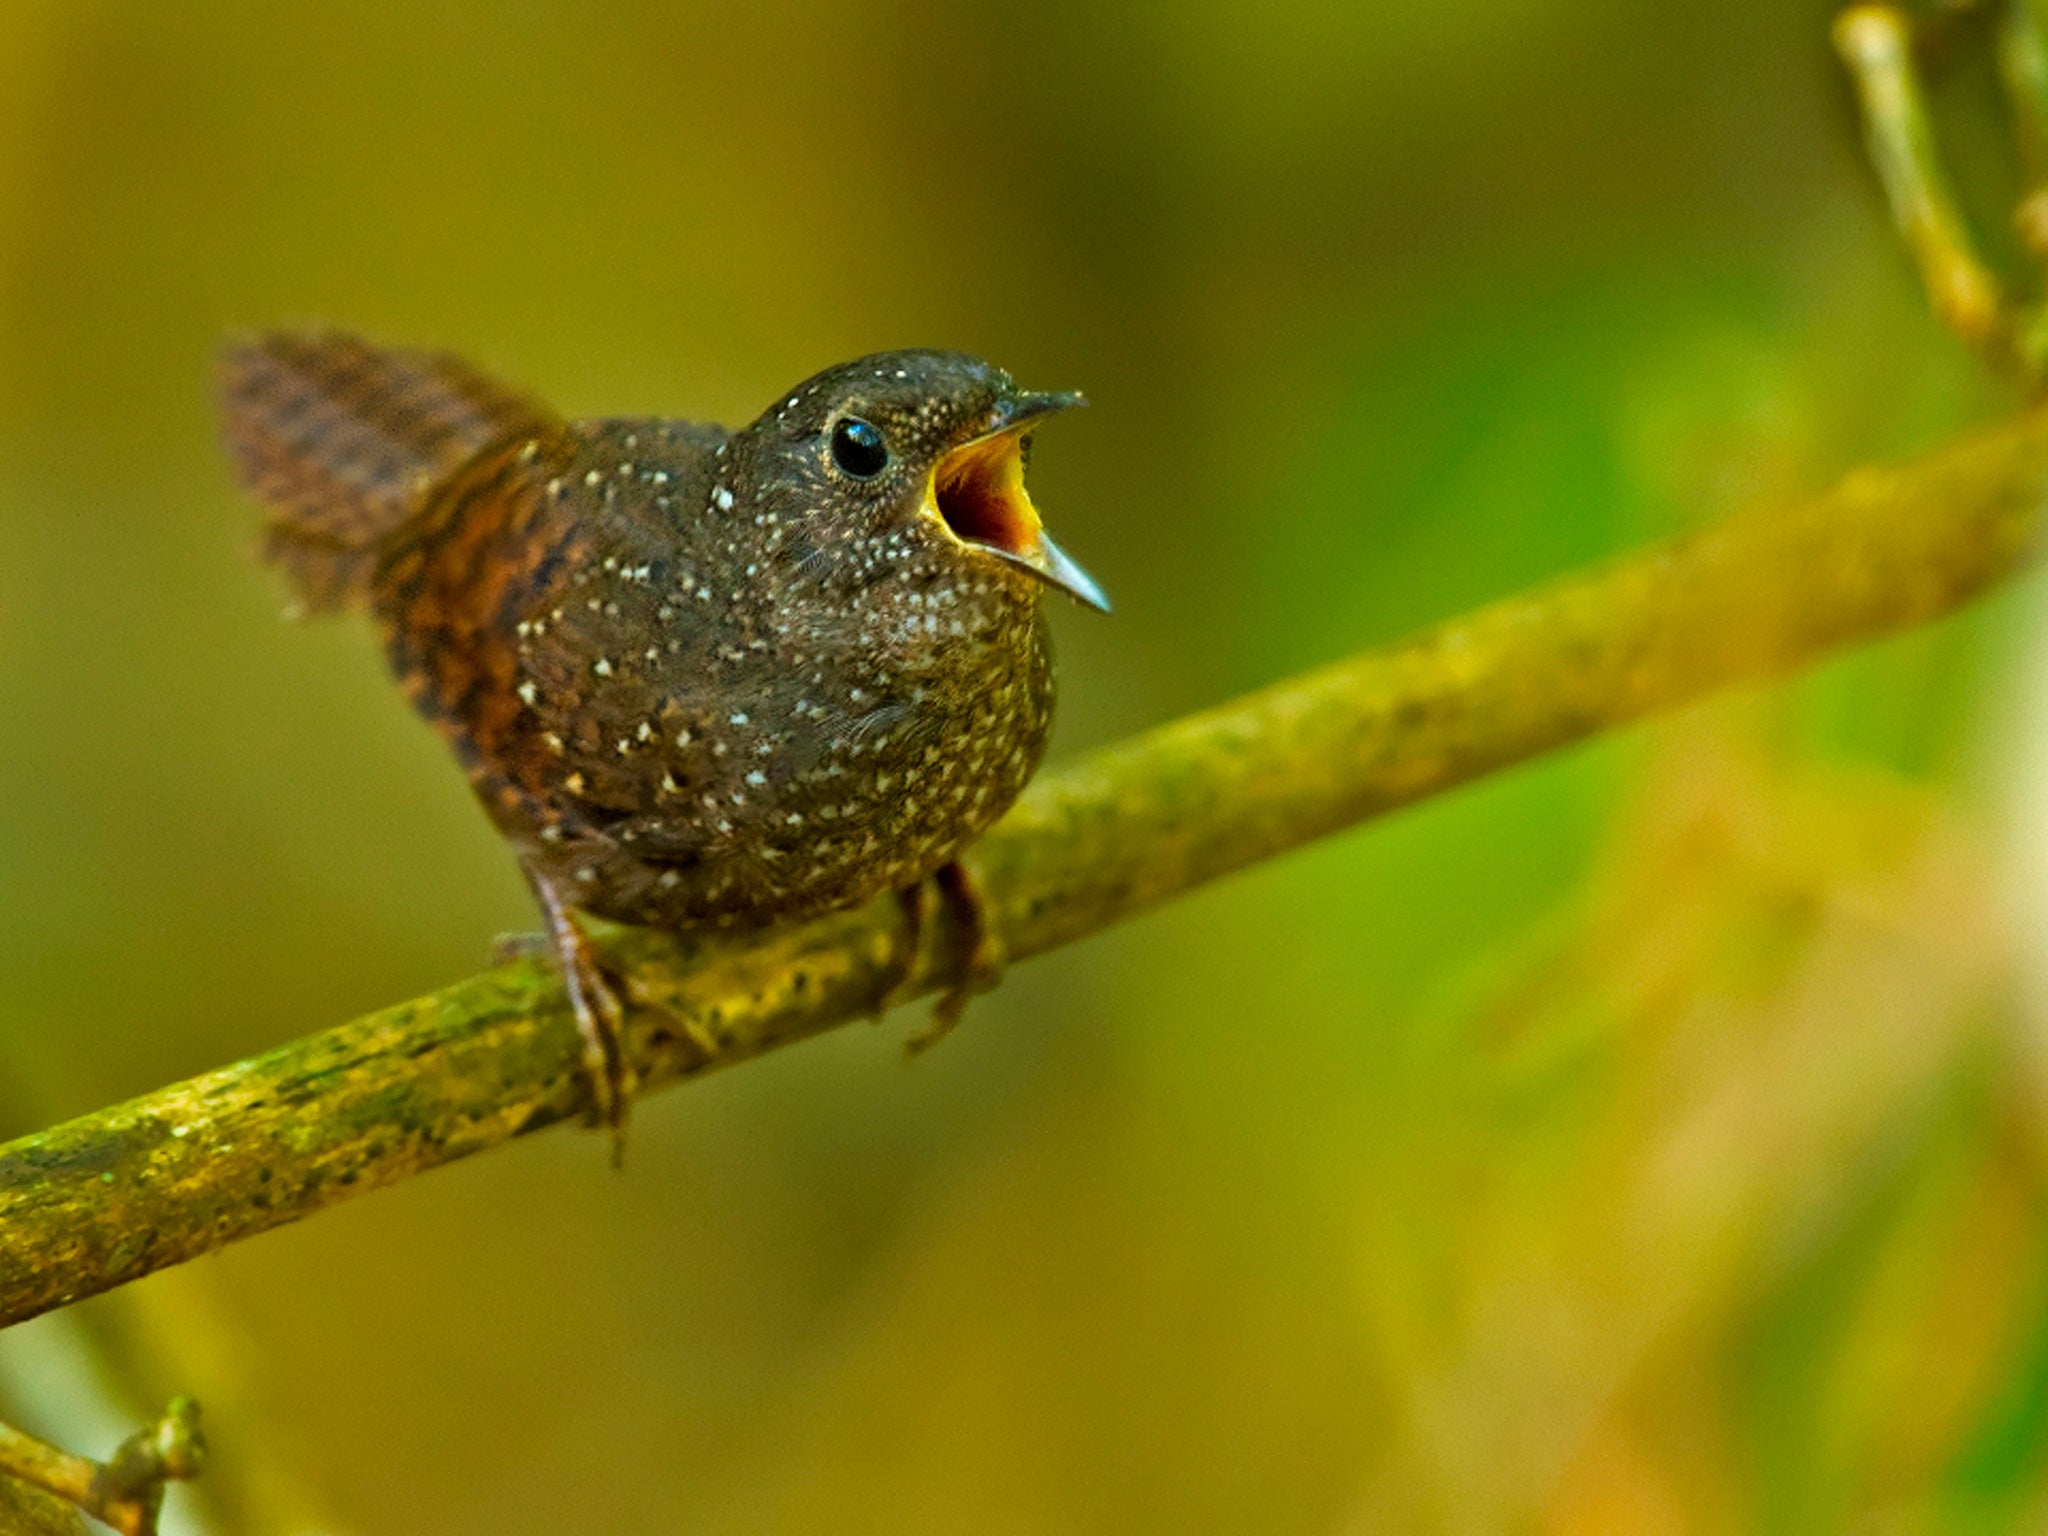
<point>112,1196</point>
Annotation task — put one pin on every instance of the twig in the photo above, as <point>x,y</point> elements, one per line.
<point>127,1490</point>
<point>1875,42</point>
<point>2023,71</point>
<point>115,1195</point>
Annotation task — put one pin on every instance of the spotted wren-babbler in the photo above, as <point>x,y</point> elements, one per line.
<point>698,678</point>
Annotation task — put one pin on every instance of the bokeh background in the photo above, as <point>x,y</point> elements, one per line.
<point>1655,1138</point>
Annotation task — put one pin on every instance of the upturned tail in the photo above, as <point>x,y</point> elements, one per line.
<point>348,444</point>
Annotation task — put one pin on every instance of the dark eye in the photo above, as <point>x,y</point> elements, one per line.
<point>857,448</point>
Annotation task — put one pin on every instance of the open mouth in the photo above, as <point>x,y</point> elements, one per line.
<point>978,491</point>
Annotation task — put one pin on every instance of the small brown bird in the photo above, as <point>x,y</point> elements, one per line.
<point>697,677</point>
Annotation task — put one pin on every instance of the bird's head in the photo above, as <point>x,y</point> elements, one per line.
<point>926,445</point>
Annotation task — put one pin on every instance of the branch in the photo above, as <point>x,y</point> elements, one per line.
<point>1876,43</point>
<point>127,1490</point>
<point>112,1196</point>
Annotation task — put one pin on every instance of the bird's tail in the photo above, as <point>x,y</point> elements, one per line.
<point>347,444</point>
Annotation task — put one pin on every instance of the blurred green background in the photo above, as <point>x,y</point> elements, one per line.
<point>1652,1139</point>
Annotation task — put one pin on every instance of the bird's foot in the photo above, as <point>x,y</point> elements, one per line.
<point>981,965</point>
<point>915,903</point>
<point>600,1019</point>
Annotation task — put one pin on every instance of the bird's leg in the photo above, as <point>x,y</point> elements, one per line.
<point>916,904</point>
<point>599,1016</point>
<point>981,967</point>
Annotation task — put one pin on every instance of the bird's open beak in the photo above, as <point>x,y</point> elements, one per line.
<point>977,490</point>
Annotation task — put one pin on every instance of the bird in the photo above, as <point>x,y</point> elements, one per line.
<point>699,679</point>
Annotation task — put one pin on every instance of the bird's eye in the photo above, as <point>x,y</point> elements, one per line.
<point>857,448</point>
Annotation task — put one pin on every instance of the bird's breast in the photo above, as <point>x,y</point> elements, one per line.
<point>701,718</point>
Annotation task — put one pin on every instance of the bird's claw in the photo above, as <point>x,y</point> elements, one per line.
<point>600,1020</point>
<point>508,947</point>
<point>980,969</point>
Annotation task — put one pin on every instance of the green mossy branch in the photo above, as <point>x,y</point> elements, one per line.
<point>112,1196</point>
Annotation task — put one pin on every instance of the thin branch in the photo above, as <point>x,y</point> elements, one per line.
<point>127,1490</point>
<point>1876,44</point>
<point>2023,71</point>
<point>113,1196</point>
